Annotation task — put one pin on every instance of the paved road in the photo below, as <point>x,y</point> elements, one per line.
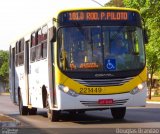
<point>137,118</point>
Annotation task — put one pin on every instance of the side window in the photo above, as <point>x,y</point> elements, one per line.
<point>44,42</point>
<point>40,38</point>
<point>38,49</point>
<point>39,46</point>
<point>44,48</point>
<point>17,51</point>
<point>20,52</point>
<point>33,39</point>
<point>33,48</point>
<point>44,32</point>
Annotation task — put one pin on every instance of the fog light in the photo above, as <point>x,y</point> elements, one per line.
<point>138,88</point>
<point>65,89</point>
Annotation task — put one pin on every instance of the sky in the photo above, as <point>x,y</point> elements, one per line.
<point>18,17</point>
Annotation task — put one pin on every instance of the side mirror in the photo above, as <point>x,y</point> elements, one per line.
<point>52,34</point>
<point>145,36</point>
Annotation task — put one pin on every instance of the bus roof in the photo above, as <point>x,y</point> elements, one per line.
<point>100,8</point>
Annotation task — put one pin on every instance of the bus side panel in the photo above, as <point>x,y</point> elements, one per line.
<point>20,83</point>
<point>38,78</point>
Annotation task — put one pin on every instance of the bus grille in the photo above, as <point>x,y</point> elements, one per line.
<point>95,103</point>
<point>103,82</point>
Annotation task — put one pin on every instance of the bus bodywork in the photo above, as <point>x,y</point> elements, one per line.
<point>46,72</point>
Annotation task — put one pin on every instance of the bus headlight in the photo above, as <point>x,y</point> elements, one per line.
<point>138,88</point>
<point>68,91</point>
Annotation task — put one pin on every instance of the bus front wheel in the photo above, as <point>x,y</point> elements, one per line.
<point>118,113</point>
<point>53,115</point>
<point>23,110</point>
<point>32,111</point>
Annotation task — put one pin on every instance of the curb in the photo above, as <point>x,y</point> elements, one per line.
<point>4,93</point>
<point>152,102</point>
<point>13,123</point>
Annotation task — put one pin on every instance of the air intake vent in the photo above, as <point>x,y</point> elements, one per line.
<point>103,82</point>
<point>95,103</point>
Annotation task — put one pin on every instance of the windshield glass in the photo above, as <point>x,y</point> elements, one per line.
<point>100,48</point>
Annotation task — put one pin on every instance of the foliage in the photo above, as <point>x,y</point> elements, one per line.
<point>150,11</point>
<point>4,71</point>
<point>118,3</point>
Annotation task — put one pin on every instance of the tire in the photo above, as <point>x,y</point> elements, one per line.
<point>81,112</point>
<point>53,115</point>
<point>118,113</point>
<point>32,111</point>
<point>23,110</point>
<point>73,112</point>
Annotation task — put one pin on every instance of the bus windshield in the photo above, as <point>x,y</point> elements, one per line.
<point>100,48</point>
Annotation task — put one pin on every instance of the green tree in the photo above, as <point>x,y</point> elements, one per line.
<point>152,64</point>
<point>117,3</point>
<point>4,71</point>
<point>150,12</point>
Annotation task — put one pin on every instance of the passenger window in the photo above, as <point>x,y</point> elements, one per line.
<point>20,52</point>
<point>39,44</point>
<point>21,45</point>
<point>33,54</point>
<point>17,53</point>
<point>17,48</point>
<point>44,32</point>
<point>39,51</point>
<point>40,37</point>
<point>44,46</point>
<point>33,49</point>
<point>33,39</point>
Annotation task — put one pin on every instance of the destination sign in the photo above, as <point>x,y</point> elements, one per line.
<point>97,15</point>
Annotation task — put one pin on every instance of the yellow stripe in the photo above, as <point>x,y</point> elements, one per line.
<point>74,85</point>
<point>101,8</point>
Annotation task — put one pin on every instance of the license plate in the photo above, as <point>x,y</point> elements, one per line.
<point>105,101</point>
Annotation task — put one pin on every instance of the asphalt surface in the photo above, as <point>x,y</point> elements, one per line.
<point>137,120</point>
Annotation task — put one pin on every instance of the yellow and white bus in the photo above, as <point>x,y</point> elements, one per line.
<point>67,64</point>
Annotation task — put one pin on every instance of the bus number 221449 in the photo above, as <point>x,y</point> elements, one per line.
<point>90,90</point>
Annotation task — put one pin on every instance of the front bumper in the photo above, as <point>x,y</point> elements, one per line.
<point>88,102</point>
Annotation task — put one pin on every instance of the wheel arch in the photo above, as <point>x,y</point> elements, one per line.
<point>19,93</point>
<point>44,95</point>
